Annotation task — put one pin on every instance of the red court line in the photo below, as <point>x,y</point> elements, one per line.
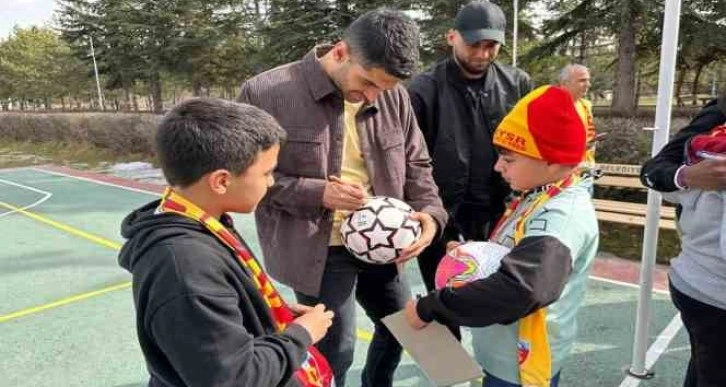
<point>611,268</point>
<point>623,270</point>
<point>104,178</point>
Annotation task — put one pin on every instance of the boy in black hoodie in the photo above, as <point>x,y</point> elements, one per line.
<point>207,315</point>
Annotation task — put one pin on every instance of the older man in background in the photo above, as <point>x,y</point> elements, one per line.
<point>575,78</point>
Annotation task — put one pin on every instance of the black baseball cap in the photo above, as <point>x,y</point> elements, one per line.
<point>481,20</point>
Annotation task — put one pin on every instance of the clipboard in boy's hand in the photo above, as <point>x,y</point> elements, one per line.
<point>439,355</point>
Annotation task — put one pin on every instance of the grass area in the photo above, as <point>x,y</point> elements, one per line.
<point>78,155</point>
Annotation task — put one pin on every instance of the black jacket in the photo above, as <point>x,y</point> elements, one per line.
<point>458,123</point>
<point>200,318</point>
<point>659,172</point>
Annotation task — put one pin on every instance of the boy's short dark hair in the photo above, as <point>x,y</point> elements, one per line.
<point>202,135</point>
<point>387,39</point>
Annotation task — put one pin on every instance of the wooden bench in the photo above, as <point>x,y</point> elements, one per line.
<point>690,99</point>
<point>627,177</point>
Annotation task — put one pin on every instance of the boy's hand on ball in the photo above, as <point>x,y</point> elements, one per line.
<point>341,195</point>
<point>316,321</point>
<point>428,232</point>
<point>412,316</point>
<point>452,245</point>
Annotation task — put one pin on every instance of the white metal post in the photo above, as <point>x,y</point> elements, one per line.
<point>660,138</point>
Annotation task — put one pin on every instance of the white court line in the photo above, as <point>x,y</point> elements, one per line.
<point>657,349</point>
<point>661,342</point>
<point>46,196</point>
<point>139,190</point>
<point>627,284</point>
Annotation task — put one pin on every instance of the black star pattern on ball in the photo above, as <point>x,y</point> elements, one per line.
<point>378,235</point>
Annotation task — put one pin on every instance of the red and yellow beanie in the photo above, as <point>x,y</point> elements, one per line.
<point>544,125</point>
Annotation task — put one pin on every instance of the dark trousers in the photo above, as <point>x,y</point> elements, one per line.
<point>472,224</point>
<point>705,325</point>
<point>380,291</point>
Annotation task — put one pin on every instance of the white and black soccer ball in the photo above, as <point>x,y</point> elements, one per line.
<point>379,230</point>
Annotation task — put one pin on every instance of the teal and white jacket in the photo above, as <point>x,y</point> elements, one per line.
<point>547,268</point>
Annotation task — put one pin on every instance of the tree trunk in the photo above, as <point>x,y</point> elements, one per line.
<point>196,88</point>
<point>63,103</point>
<point>583,48</point>
<point>344,10</point>
<point>696,79</point>
<point>624,93</point>
<point>155,85</point>
<point>682,70</point>
<point>127,99</point>
<point>638,87</point>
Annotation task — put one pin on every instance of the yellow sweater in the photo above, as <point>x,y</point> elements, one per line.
<point>584,109</point>
<point>353,168</point>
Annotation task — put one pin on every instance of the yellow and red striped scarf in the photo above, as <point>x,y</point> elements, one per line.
<point>534,356</point>
<point>315,371</point>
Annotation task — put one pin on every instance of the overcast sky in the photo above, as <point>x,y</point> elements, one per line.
<point>24,13</point>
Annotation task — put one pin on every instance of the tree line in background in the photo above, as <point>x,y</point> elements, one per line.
<point>154,51</point>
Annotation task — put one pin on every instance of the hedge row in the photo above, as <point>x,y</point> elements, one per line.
<point>120,133</point>
<point>625,142</point>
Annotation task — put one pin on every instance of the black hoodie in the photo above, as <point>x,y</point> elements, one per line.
<point>200,319</point>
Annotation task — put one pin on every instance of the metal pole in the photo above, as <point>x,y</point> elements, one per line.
<point>95,70</point>
<point>660,138</point>
<point>514,33</point>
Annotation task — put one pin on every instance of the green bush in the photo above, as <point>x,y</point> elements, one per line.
<point>626,142</point>
<point>119,133</point>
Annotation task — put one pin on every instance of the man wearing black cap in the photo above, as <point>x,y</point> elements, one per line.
<point>459,103</point>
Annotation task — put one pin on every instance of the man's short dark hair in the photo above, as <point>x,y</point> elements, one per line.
<point>387,39</point>
<point>202,135</point>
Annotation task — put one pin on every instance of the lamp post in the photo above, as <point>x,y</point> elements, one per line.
<point>95,71</point>
<point>515,25</point>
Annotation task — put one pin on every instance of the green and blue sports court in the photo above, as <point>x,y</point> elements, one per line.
<point>67,315</point>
